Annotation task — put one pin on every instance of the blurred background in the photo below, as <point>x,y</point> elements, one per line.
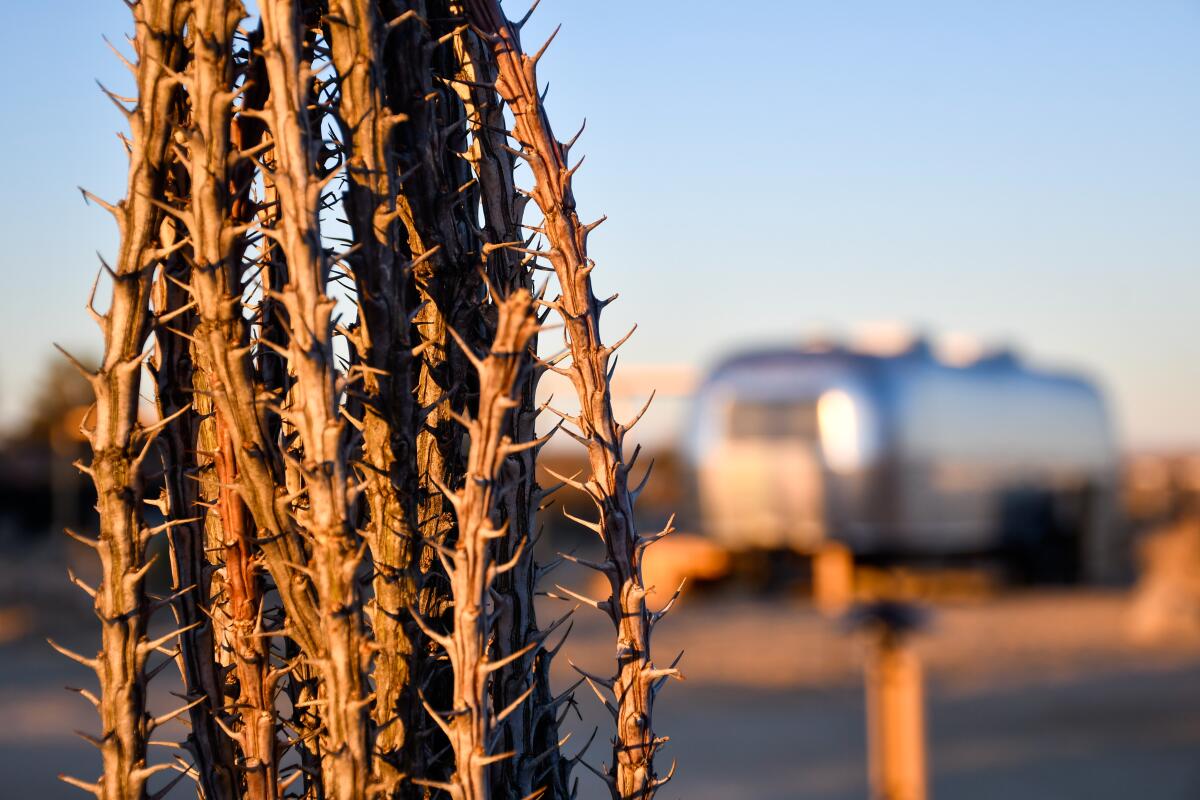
<point>916,286</point>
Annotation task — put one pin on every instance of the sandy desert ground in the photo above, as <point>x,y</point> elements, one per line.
<point>1038,695</point>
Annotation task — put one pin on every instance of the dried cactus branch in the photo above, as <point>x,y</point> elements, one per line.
<point>218,214</point>
<point>633,774</point>
<point>190,569</point>
<point>470,566</point>
<point>437,232</point>
<point>250,651</point>
<point>383,345</point>
<point>313,406</point>
<point>119,444</point>
<point>531,731</point>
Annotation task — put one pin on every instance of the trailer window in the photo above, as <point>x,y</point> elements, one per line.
<point>766,419</point>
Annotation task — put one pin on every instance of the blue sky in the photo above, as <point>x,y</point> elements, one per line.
<point>1026,171</point>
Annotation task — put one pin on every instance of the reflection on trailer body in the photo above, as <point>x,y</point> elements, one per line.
<point>904,455</point>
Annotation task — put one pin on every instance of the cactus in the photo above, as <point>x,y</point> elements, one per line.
<point>350,502</point>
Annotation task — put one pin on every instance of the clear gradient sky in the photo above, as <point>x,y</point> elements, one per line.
<point>1024,170</point>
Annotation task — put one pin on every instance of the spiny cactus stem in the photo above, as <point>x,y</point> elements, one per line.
<point>384,346</point>
<point>250,652</point>
<point>117,444</point>
<point>635,744</point>
<point>470,566</point>
<point>529,731</point>
<point>192,597</point>
<point>218,211</point>
<point>341,652</point>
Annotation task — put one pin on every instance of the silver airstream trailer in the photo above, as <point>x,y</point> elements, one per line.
<point>905,456</point>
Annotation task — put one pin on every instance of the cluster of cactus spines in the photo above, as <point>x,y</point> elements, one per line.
<point>637,680</point>
<point>350,507</point>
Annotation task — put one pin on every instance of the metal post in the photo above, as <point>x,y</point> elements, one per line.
<point>895,703</point>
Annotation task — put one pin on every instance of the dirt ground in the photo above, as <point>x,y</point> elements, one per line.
<point>1033,695</point>
<point>1040,695</point>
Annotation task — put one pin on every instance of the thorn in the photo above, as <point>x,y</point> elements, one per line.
<point>613,348</point>
<point>587,229</point>
<point>570,173</point>
<point>660,782</point>
<point>609,780</point>
<point>657,685</point>
<point>599,605</point>
<point>166,789</point>
<point>90,590</point>
<point>519,24</point>
<point>147,647</point>
<point>489,667</point>
<point>575,759</point>
<point>437,718</point>
<point>515,704</point>
<point>566,481</point>
<point>542,50</point>
<point>592,526</point>
<point>85,540</point>
<point>147,772</point>
<point>532,444</point>
<point>94,788</point>
<point>84,371</point>
<point>88,197</point>
<point>638,417</point>
<point>605,567</point>
<point>444,641</point>
<point>637,491</point>
<point>662,612</point>
<point>170,715</point>
<point>470,354</point>
<point>486,760</point>
<point>91,698</point>
<point>407,15</point>
<point>645,541</point>
<point>91,663</point>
